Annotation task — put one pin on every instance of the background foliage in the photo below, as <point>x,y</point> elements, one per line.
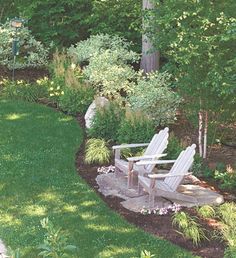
<point>198,39</point>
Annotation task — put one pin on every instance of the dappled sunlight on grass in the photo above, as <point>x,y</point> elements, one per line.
<point>115,251</point>
<point>89,203</point>
<point>8,219</point>
<point>69,208</point>
<point>49,196</point>
<point>34,210</point>
<point>38,179</point>
<point>15,116</point>
<point>65,119</point>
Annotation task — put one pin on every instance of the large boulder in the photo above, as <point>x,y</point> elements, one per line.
<point>97,103</point>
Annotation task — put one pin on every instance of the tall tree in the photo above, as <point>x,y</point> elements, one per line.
<point>150,60</point>
<point>198,39</point>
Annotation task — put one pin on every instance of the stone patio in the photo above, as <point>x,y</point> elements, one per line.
<point>113,185</point>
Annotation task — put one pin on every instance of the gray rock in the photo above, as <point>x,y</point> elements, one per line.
<point>98,102</point>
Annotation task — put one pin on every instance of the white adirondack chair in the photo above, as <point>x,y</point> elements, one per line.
<point>165,185</point>
<point>154,151</point>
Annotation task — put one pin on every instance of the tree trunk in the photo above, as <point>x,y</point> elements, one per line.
<point>200,126</point>
<point>205,135</point>
<point>150,60</point>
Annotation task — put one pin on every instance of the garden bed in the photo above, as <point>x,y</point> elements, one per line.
<point>160,226</point>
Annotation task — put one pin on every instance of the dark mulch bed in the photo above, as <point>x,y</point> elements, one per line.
<point>28,74</point>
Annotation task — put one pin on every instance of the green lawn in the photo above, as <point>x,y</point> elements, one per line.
<point>38,179</point>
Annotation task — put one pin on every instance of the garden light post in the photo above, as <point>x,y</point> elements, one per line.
<point>17,24</point>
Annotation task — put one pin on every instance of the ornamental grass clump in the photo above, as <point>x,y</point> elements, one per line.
<point>189,227</point>
<point>227,215</point>
<point>96,151</point>
<point>206,211</point>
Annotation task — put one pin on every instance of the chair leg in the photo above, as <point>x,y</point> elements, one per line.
<point>140,189</point>
<point>151,200</point>
<point>130,179</point>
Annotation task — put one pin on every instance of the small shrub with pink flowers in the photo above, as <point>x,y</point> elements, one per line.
<point>106,170</point>
<point>162,211</point>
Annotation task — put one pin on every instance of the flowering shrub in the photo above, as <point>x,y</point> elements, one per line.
<point>108,68</point>
<point>32,53</point>
<point>106,170</point>
<point>153,96</point>
<point>162,211</point>
<point>83,51</point>
<point>110,75</point>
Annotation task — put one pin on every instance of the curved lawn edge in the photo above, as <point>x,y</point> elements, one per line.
<point>39,179</point>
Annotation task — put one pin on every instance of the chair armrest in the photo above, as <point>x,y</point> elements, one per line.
<point>134,145</point>
<point>157,176</point>
<point>146,157</point>
<point>155,162</point>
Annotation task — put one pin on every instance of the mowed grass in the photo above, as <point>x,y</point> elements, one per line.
<point>38,179</point>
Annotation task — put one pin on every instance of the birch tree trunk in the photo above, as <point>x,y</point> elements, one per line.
<point>205,135</point>
<point>150,60</point>
<point>200,126</point>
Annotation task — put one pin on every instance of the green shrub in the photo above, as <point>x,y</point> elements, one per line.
<point>153,96</point>
<point>84,50</point>
<point>96,151</point>
<point>189,227</point>
<point>24,90</point>
<point>174,147</point>
<point>73,101</point>
<point>31,52</point>
<point>108,67</point>
<point>105,122</point>
<point>227,180</point>
<point>200,168</point>
<point>135,128</point>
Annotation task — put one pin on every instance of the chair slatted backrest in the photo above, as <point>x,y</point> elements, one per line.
<point>157,145</point>
<point>181,167</point>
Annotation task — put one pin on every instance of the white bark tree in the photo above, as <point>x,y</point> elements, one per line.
<point>150,60</point>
